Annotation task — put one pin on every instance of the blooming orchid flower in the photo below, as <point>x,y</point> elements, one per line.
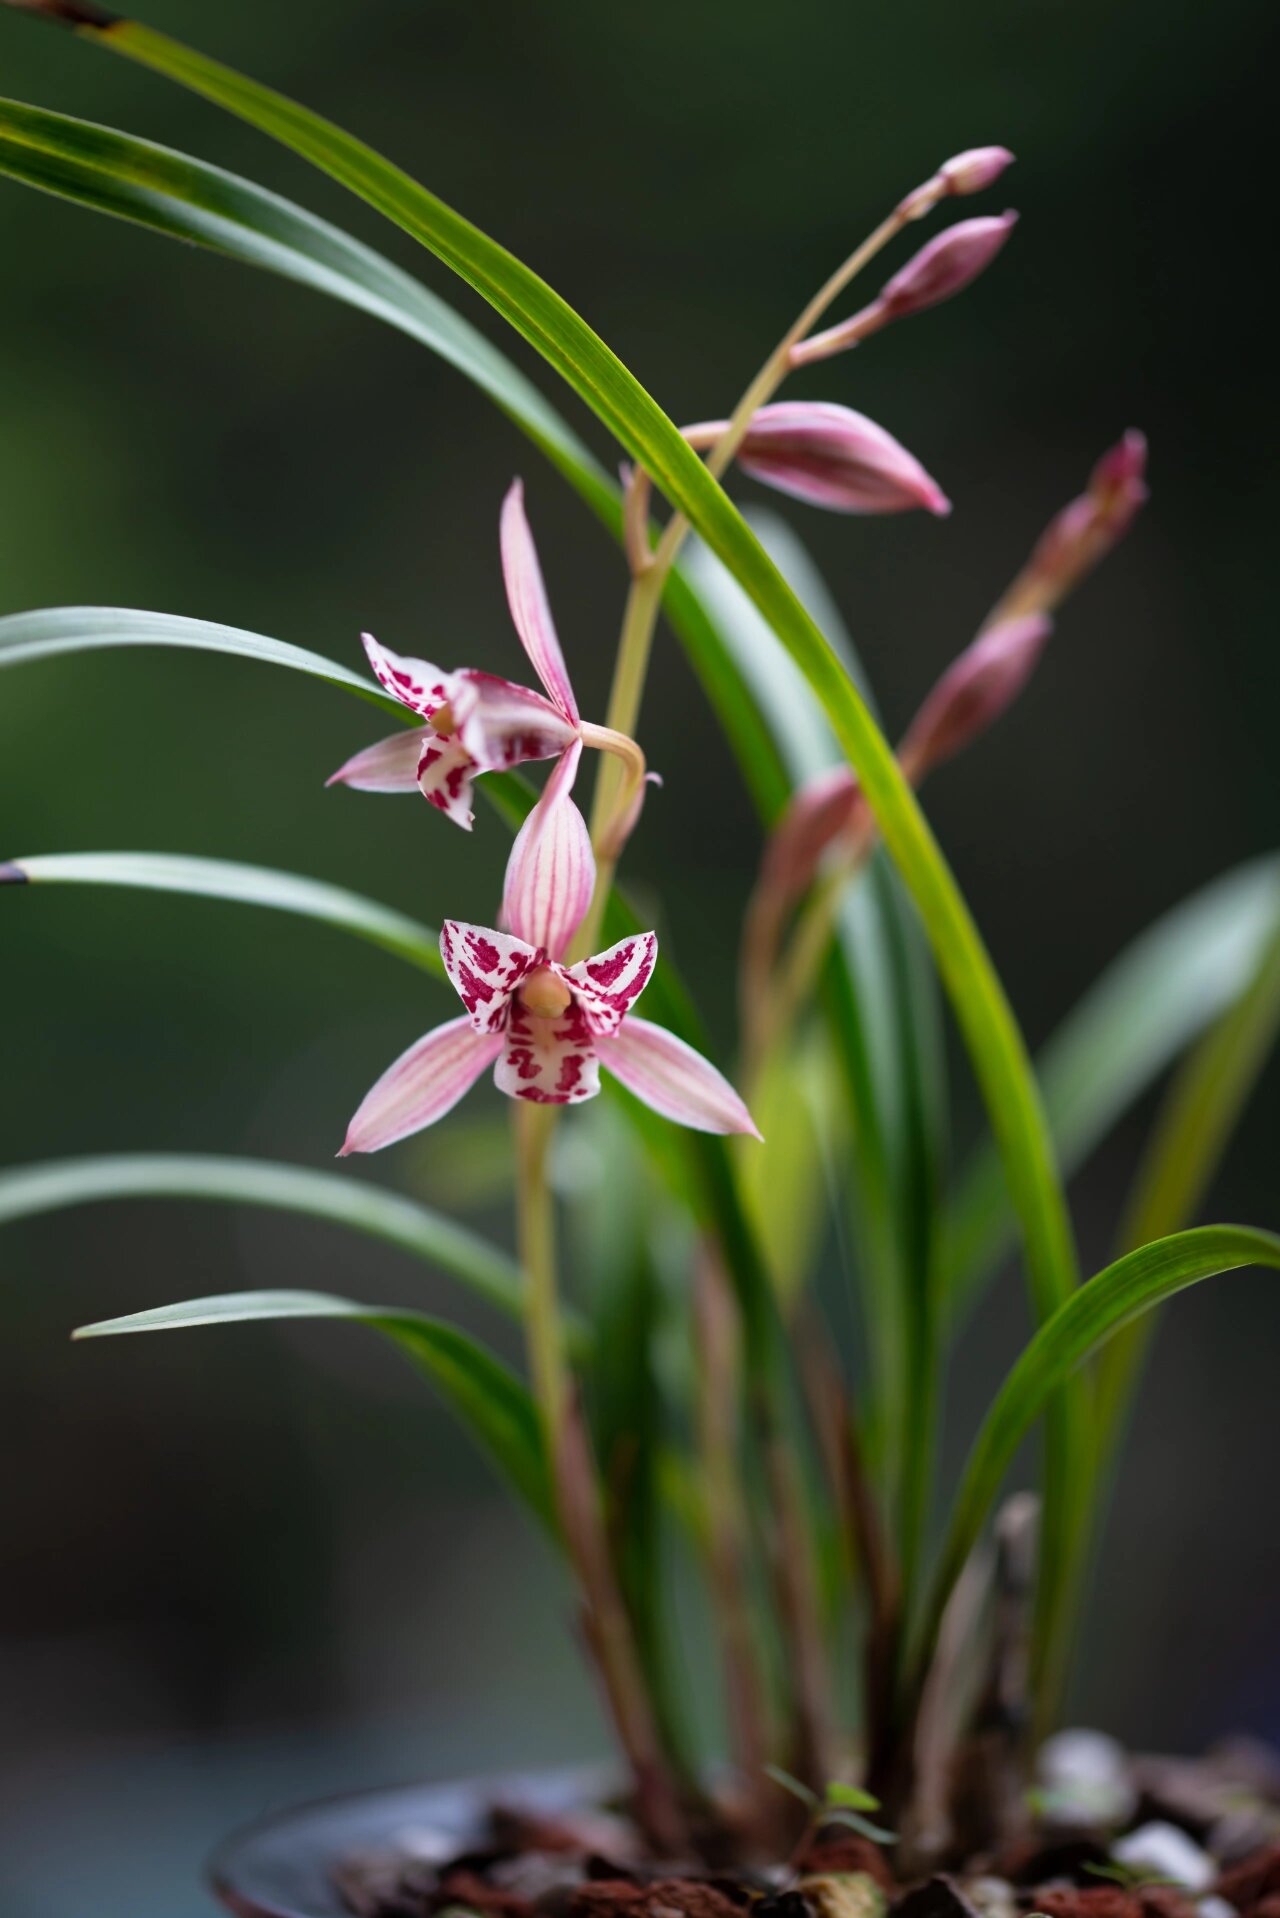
<point>474,721</point>
<point>545,1027</point>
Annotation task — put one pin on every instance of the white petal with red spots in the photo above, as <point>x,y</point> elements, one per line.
<point>444,776</point>
<point>548,1061</point>
<point>484,969</point>
<point>610,983</point>
<point>416,683</point>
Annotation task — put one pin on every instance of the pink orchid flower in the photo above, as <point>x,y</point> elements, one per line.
<point>545,1027</point>
<point>475,722</point>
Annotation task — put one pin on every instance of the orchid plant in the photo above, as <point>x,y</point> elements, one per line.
<point>803,1487</point>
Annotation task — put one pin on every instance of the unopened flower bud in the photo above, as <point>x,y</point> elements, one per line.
<point>973,692</point>
<point>938,271</point>
<point>967,172</point>
<point>975,169</point>
<point>830,456</point>
<point>828,808</point>
<point>1088,527</point>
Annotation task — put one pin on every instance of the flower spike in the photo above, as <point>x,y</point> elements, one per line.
<point>829,456</point>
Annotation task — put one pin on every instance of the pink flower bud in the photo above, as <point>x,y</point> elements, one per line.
<point>973,692</point>
<point>830,456</point>
<point>1088,527</point>
<point>946,265</point>
<point>976,168</point>
<point>942,268</point>
<point>828,808</point>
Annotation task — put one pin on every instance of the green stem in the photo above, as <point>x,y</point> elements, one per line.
<point>606,1625</point>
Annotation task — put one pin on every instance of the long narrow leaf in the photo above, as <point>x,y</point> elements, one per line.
<point>249,885</point>
<point>1161,992</point>
<point>1094,1314</point>
<point>53,1185</point>
<point>487,1398</point>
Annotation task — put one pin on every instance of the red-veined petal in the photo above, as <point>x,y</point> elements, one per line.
<point>609,983</point>
<point>416,683</point>
<point>672,1078</point>
<point>484,969</point>
<point>444,776</point>
<point>527,598</point>
<point>548,1061</point>
<point>389,767</point>
<point>552,871</point>
<point>422,1085</point>
<point>502,724</point>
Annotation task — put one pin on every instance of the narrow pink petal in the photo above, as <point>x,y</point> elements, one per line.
<point>552,870</point>
<point>444,776</point>
<point>416,683</point>
<point>672,1078</point>
<point>527,598</point>
<point>502,724</point>
<point>610,983</point>
<point>422,1085</point>
<point>389,767</point>
<point>484,969</point>
<point>548,1061</point>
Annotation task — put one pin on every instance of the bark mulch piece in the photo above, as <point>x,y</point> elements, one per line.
<point>664,1898</point>
<point>1246,1885</point>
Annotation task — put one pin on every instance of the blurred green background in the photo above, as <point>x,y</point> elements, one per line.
<point>248,1566</point>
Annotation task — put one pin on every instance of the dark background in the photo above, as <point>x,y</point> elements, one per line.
<point>247,1566</point>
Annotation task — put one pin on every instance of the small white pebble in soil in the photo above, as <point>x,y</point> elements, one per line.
<point>1162,1851</point>
<point>1084,1778</point>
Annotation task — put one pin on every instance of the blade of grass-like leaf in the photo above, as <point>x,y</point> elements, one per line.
<point>53,1185</point>
<point>59,630</point>
<point>1094,1314</point>
<point>1161,992</point>
<point>487,1399</point>
<point>599,377</point>
<point>248,885</point>
<point>1190,1136</point>
<point>171,193</point>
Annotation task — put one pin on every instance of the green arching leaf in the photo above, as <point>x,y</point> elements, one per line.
<point>248,885</point>
<point>1093,1314</point>
<point>487,1399</point>
<point>58,630</point>
<point>187,199</point>
<point>53,1185</point>
<point>1161,992</point>
<point>1199,1114</point>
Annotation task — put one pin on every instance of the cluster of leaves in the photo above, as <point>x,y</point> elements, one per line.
<point>1207,978</point>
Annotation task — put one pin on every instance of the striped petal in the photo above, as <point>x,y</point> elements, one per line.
<point>389,767</point>
<point>552,871</point>
<point>672,1078</point>
<point>527,598</point>
<point>444,776</point>
<point>416,683</point>
<point>424,1083</point>
<point>502,724</point>
<point>609,984</point>
<point>484,969</point>
<point>548,1061</point>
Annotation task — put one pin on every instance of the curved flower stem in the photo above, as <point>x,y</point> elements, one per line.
<point>575,1482</point>
<point>650,568</point>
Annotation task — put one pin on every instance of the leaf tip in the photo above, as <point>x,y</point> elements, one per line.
<point>11,873</point>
